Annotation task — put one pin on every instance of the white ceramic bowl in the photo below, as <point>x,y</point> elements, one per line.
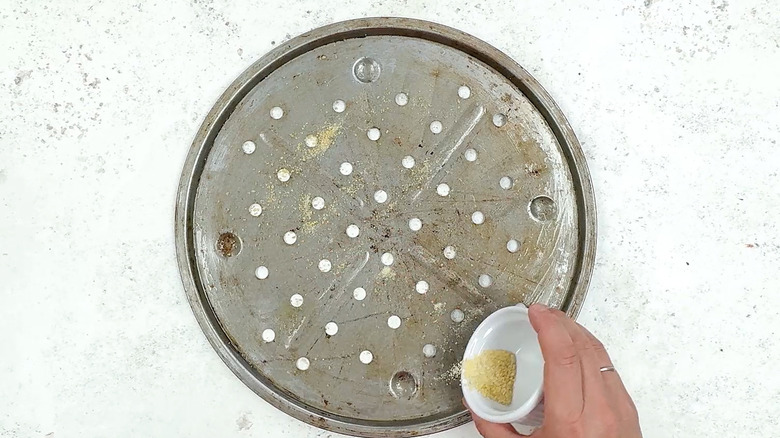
<point>509,329</point>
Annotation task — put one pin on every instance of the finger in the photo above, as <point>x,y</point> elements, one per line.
<point>612,380</point>
<point>488,429</point>
<point>562,368</point>
<point>493,430</point>
<point>592,358</point>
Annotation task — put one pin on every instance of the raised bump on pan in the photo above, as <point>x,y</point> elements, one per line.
<point>367,70</point>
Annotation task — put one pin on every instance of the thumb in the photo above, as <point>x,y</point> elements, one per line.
<point>494,430</point>
<point>537,434</point>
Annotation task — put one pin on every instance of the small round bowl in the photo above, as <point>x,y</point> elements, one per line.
<point>508,329</point>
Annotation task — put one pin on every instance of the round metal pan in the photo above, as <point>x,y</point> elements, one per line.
<point>358,200</point>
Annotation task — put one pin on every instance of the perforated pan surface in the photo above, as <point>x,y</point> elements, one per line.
<point>359,200</point>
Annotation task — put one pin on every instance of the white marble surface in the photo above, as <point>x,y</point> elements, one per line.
<point>676,104</point>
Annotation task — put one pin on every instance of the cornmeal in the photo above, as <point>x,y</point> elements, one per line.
<point>492,374</point>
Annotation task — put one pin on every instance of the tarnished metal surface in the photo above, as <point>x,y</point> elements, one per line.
<point>299,189</point>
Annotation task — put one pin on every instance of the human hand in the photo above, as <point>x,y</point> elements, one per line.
<point>580,401</point>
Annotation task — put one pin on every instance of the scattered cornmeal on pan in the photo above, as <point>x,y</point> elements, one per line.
<point>492,374</point>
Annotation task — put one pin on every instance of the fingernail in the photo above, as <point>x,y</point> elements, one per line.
<point>539,307</point>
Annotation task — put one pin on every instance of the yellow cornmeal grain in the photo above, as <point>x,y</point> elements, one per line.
<point>492,374</point>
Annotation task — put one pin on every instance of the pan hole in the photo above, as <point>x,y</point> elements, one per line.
<point>401,99</point>
<point>373,134</point>
<point>471,155</point>
<point>296,300</point>
<point>345,168</point>
<point>542,208</point>
<point>366,357</point>
<point>290,237</point>
<point>407,162</point>
<point>353,231</point>
<point>380,196</point>
<point>443,189</point>
<point>367,70</point>
<point>283,175</point>
<point>464,92</point>
<point>436,127</point>
<point>331,328</point>
<point>311,141</point>
<point>429,350</point>
<point>478,218</point>
<point>302,363</point>
<point>415,224</point>
<point>506,183</point>
<point>339,106</point>
<point>422,287</point>
<point>255,210</point>
<point>387,259</point>
<point>403,385</point>
<point>457,316</point>
<point>394,322</point>
<point>228,244</point>
<point>359,294</point>
<point>268,335</point>
<point>499,120</point>
<point>485,281</point>
<point>248,147</point>
<point>325,265</point>
<point>277,113</point>
<point>450,252</point>
<point>513,246</point>
<point>317,203</point>
<point>261,272</point>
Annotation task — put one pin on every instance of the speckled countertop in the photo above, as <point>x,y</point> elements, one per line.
<point>677,105</point>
